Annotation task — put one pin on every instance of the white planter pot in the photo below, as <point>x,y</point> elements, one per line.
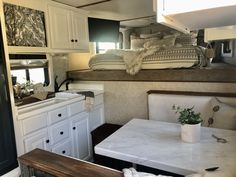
<point>191,133</point>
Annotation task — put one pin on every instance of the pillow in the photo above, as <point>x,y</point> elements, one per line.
<point>145,36</point>
<point>162,43</point>
<point>136,43</point>
<point>223,115</point>
<point>134,36</point>
<point>186,39</point>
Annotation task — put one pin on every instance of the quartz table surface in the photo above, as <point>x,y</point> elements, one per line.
<point>158,144</point>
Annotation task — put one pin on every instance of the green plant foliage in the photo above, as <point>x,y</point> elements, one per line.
<point>187,115</point>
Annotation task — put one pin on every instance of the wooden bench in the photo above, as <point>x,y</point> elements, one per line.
<point>42,163</point>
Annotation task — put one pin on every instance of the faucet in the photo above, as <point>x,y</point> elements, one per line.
<point>57,87</point>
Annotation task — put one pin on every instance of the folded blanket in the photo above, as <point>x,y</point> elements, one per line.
<point>131,172</point>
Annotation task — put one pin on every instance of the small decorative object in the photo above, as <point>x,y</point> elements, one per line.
<point>209,53</point>
<point>211,119</point>
<point>27,87</point>
<point>190,124</point>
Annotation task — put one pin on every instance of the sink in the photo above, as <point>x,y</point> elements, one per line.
<point>65,95</point>
<point>59,97</point>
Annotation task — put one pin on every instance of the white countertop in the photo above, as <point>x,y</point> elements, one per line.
<point>53,103</point>
<point>158,145</point>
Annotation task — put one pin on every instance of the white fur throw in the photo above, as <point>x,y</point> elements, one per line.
<point>131,172</point>
<point>133,58</point>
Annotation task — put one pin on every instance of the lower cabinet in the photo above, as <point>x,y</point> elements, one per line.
<point>64,130</point>
<point>81,136</point>
<point>96,117</point>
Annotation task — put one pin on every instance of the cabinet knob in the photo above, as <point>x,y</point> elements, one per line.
<point>72,40</point>
<point>47,141</point>
<point>63,152</point>
<point>76,40</point>
<point>74,128</point>
<point>59,115</point>
<point>61,133</point>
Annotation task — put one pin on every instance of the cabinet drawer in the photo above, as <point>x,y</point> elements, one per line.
<point>57,115</point>
<point>76,108</point>
<point>59,132</point>
<point>98,99</point>
<point>34,123</point>
<point>63,148</point>
<point>36,140</point>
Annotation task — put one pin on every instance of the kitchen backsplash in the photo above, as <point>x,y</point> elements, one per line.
<point>24,26</point>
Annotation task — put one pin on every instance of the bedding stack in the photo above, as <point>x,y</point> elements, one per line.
<point>153,51</point>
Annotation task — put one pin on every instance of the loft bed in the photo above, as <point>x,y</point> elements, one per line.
<point>153,51</point>
<point>216,73</point>
<point>175,60</point>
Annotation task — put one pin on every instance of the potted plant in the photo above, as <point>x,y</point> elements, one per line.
<point>190,124</point>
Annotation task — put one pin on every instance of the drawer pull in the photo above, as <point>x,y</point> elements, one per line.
<point>61,133</point>
<point>47,141</point>
<point>74,128</point>
<point>59,115</point>
<point>72,40</point>
<point>63,152</point>
<point>76,40</point>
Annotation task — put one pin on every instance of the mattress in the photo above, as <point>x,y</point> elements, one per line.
<point>176,57</point>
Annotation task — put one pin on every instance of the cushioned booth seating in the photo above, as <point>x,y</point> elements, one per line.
<point>218,110</point>
<point>98,135</point>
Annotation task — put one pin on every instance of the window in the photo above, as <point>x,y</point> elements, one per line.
<point>102,47</point>
<point>35,75</point>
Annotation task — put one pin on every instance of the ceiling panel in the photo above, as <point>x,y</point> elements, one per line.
<point>76,3</point>
<point>118,10</point>
<point>121,9</point>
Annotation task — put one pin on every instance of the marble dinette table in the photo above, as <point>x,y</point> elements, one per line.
<point>158,145</point>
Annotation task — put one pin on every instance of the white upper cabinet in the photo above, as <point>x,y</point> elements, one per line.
<point>68,28</point>
<point>60,28</point>
<point>188,15</point>
<point>80,32</point>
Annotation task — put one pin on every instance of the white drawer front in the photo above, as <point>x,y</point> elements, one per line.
<point>57,115</point>
<point>76,108</point>
<point>63,148</point>
<point>34,123</point>
<point>37,140</point>
<point>59,132</point>
<point>98,99</point>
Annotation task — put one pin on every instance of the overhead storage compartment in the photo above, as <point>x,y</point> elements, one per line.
<point>188,15</point>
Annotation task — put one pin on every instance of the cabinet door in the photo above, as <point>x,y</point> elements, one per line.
<point>38,140</point>
<point>60,28</point>
<point>96,117</point>
<point>81,136</point>
<point>80,34</point>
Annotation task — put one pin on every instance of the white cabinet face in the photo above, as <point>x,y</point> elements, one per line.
<point>59,132</point>
<point>68,29</point>
<point>63,148</point>
<point>188,15</point>
<point>34,123</point>
<point>57,115</point>
<point>39,140</point>
<point>80,35</point>
<point>60,27</point>
<point>81,136</point>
